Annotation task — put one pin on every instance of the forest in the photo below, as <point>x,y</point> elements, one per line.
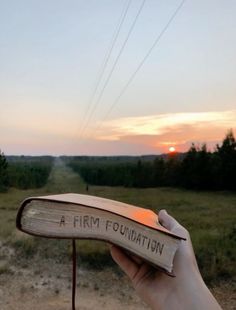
<point>197,169</point>
<point>24,172</point>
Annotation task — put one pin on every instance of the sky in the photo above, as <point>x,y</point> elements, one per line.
<point>87,78</point>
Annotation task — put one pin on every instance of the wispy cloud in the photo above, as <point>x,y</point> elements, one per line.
<point>130,135</point>
<point>164,130</point>
<point>159,124</point>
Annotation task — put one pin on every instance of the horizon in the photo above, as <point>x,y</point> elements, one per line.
<point>168,153</point>
<point>171,150</point>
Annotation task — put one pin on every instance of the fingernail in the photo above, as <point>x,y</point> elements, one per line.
<point>163,210</point>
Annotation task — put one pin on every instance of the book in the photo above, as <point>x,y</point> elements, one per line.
<point>76,216</point>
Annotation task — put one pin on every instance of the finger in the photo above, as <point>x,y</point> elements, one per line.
<point>136,259</point>
<point>133,257</point>
<point>167,221</point>
<point>171,224</point>
<point>123,260</point>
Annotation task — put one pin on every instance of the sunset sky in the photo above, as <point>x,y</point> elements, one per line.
<point>52,53</point>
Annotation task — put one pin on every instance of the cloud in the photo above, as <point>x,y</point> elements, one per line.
<point>164,130</point>
<point>124,136</point>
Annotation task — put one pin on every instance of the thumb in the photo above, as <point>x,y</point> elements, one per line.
<point>167,221</point>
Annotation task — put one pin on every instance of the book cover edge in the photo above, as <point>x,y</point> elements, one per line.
<point>44,198</point>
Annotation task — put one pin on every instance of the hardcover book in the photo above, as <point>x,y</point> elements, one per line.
<point>76,216</point>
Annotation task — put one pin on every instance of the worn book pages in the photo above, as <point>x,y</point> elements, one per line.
<point>81,216</point>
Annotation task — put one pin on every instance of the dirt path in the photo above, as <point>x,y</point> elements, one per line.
<point>47,285</point>
<point>63,179</point>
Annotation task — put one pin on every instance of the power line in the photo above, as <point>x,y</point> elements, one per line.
<point>106,59</point>
<point>115,63</point>
<point>142,62</point>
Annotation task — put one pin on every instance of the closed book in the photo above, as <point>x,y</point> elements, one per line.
<point>76,216</point>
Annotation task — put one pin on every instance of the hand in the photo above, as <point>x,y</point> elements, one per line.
<point>184,291</point>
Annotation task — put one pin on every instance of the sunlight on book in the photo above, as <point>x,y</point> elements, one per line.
<point>75,216</point>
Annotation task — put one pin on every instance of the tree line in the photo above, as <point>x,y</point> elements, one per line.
<point>24,172</point>
<point>198,169</point>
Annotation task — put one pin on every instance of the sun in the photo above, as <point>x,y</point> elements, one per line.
<point>172,149</point>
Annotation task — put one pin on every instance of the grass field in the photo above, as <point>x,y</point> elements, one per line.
<point>209,216</point>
